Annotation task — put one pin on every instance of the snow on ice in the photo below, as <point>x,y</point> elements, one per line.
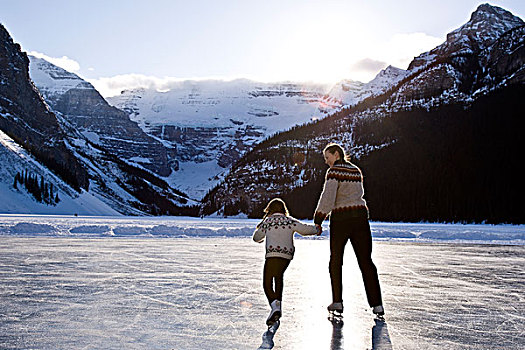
<point>73,226</point>
<point>187,283</point>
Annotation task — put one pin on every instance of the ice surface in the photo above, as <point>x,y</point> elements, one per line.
<point>125,283</point>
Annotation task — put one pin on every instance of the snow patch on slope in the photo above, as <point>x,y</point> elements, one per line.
<point>15,159</point>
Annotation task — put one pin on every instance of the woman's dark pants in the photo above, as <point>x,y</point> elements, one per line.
<point>357,230</point>
<point>274,271</point>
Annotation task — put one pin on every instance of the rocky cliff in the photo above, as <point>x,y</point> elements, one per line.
<point>85,142</point>
<point>462,64</point>
<point>25,118</point>
<point>82,105</point>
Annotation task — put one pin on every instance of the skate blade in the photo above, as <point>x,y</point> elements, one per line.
<point>335,313</point>
<point>336,321</point>
<point>335,317</point>
<point>380,318</point>
<point>272,328</point>
<point>273,320</point>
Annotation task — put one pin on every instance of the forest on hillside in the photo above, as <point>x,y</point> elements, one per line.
<point>450,163</point>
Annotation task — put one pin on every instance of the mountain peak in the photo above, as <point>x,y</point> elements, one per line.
<point>390,70</point>
<point>52,80</point>
<point>487,23</point>
<point>487,12</point>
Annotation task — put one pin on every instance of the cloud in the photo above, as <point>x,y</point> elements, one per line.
<point>63,62</point>
<point>398,50</point>
<point>402,48</point>
<point>368,65</point>
<point>112,86</point>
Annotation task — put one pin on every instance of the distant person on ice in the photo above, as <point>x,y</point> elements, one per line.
<point>342,199</point>
<point>278,227</point>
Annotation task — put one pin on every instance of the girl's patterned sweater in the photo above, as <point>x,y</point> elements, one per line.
<point>279,230</point>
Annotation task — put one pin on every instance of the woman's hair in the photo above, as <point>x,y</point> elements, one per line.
<point>276,205</point>
<point>335,148</point>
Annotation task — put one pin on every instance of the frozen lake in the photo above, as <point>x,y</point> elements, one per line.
<point>98,290</point>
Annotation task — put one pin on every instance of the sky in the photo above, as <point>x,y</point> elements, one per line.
<point>121,44</point>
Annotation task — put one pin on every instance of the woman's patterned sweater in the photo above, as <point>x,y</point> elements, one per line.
<point>342,195</point>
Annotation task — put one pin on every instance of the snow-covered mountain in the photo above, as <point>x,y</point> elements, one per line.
<point>486,25</point>
<point>27,120</point>
<point>350,92</point>
<point>425,143</point>
<point>33,145</point>
<point>134,155</point>
<point>208,125</point>
<point>480,55</point>
<point>474,58</point>
<point>193,131</point>
<point>81,105</point>
<point>60,157</point>
<point>15,160</point>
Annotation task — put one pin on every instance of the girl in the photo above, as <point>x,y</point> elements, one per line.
<point>278,227</point>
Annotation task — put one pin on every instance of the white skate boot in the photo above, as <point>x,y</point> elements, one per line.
<point>335,313</point>
<point>275,314</point>
<point>379,311</point>
<point>335,307</point>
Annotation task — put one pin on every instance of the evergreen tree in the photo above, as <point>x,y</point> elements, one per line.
<point>42,191</point>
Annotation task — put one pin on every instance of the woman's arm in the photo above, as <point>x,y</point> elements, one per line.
<point>326,201</point>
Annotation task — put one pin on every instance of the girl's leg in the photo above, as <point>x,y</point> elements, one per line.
<point>361,239</point>
<point>268,276</point>
<point>274,269</point>
<point>281,266</point>
<point>338,239</point>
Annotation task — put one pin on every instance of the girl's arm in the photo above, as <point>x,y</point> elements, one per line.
<point>305,229</point>
<point>259,233</point>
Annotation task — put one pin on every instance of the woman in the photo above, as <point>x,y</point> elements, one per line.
<point>342,198</point>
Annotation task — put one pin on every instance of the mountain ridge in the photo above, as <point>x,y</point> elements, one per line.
<point>373,127</point>
<point>102,181</point>
<point>249,157</point>
<point>79,102</point>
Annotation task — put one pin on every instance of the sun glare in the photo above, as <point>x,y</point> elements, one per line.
<point>325,48</point>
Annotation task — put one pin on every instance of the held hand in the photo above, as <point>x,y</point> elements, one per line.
<point>319,229</point>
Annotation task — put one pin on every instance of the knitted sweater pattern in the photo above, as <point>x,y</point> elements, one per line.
<point>278,229</point>
<point>342,193</point>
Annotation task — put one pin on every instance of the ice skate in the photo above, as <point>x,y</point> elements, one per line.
<point>379,311</point>
<point>275,314</point>
<point>335,312</point>
<point>335,307</point>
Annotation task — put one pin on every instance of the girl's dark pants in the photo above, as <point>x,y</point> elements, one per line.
<point>357,230</point>
<point>274,271</point>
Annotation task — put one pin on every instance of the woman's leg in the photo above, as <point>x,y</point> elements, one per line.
<point>361,239</point>
<point>338,239</point>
